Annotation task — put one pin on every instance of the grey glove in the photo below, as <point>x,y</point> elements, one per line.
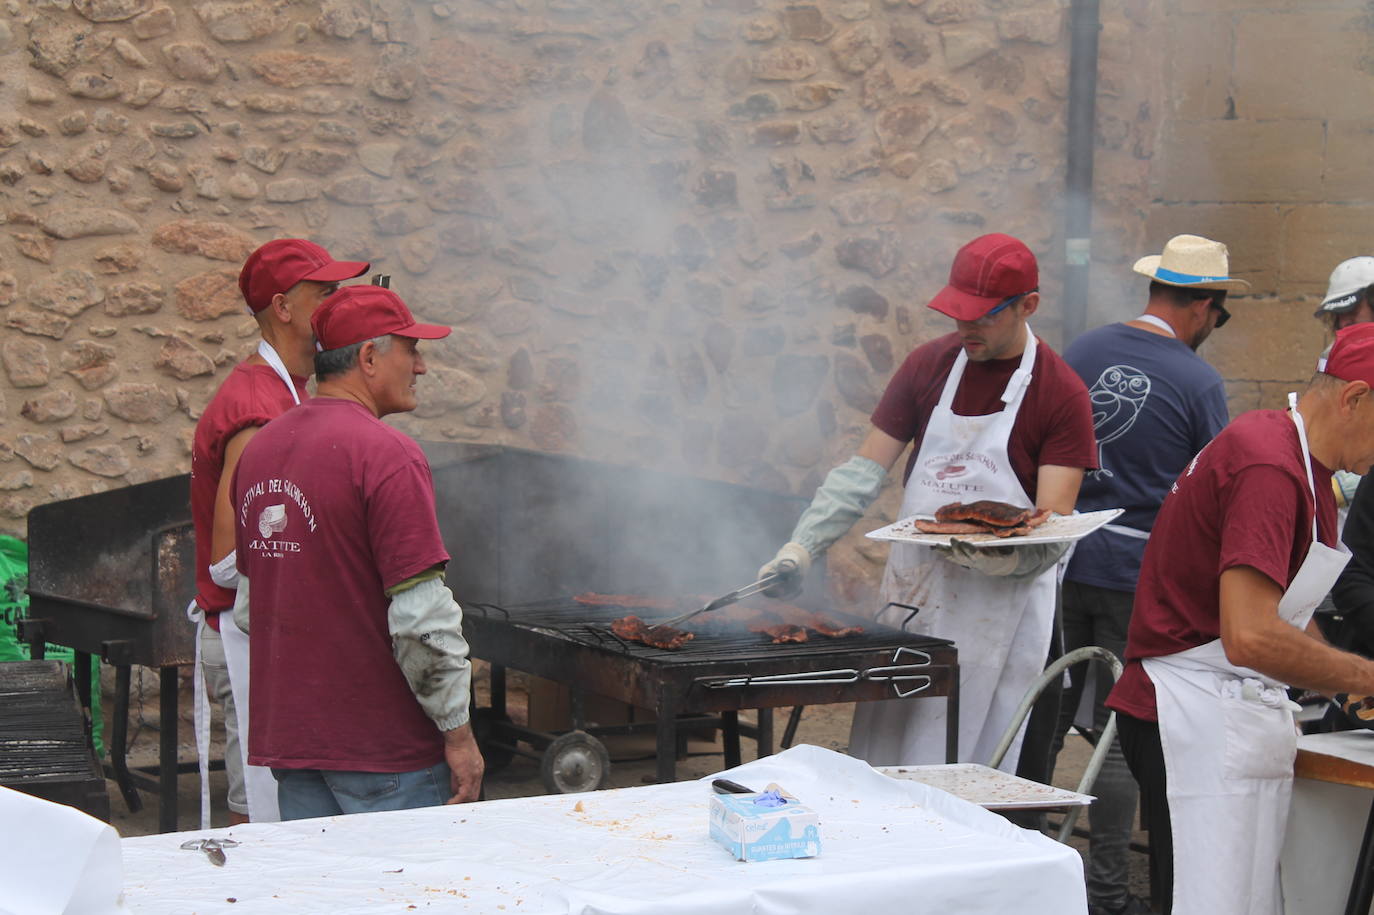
<point>1018,562</point>
<point>793,561</point>
<point>990,560</point>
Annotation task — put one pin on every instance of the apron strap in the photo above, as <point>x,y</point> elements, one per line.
<point>266,351</point>
<point>201,716</point>
<point>1306,457</point>
<point>1016,384</point>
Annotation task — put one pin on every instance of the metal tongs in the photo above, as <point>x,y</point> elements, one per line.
<point>213,848</point>
<point>786,568</point>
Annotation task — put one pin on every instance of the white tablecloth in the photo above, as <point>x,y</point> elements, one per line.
<point>888,847</point>
<point>1325,825</point>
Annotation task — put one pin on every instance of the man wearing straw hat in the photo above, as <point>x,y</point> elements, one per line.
<point>1156,403</point>
<point>1242,552</point>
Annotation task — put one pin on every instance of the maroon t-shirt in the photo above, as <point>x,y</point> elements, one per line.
<point>252,395</point>
<point>1054,426</point>
<point>1243,501</point>
<point>333,506</point>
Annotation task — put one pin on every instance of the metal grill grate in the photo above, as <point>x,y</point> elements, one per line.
<point>589,624</point>
<point>42,732</point>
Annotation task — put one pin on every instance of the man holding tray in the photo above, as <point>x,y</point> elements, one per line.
<point>995,415</point>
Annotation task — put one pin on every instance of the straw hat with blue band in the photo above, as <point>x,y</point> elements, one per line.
<point>1192,262</point>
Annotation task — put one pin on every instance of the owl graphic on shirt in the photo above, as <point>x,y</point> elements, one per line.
<point>1117,397</point>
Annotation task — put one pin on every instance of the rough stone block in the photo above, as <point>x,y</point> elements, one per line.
<point>1303,64</point>
<point>1317,238</point>
<point>237,20</point>
<point>1230,6</point>
<point>1222,161</point>
<point>1349,173</point>
<point>1270,340</point>
<point>1199,76</point>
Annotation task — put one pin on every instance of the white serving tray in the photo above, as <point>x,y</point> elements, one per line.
<point>989,788</point>
<point>1057,529</point>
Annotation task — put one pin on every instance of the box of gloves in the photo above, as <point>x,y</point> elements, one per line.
<point>764,825</point>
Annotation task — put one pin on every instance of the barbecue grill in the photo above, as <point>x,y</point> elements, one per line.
<point>527,530</point>
<point>44,748</point>
<point>718,671</point>
<point>110,574</point>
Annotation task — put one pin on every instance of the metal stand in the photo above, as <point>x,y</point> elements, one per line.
<point>128,781</point>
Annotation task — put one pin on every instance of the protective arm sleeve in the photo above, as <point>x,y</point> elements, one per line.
<point>841,500</point>
<point>426,626</point>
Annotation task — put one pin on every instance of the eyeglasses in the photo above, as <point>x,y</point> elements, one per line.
<point>1222,316</point>
<point>989,317</point>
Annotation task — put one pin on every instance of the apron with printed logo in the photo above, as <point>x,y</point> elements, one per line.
<point>1001,628</point>
<point>259,785</point>
<point>1229,741</point>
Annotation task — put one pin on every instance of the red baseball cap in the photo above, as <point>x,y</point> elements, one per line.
<point>1351,357</point>
<point>278,265</point>
<point>986,271</point>
<point>358,313</point>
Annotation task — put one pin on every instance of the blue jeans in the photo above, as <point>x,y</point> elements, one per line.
<point>306,793</point>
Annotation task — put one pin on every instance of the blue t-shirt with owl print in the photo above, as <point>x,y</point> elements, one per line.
<point>1155,403</point>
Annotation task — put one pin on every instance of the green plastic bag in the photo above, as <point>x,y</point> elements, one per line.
<point>14,606</point>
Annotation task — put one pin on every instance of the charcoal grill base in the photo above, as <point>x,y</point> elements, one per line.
<point>128,781</point>
<point>45,747</point>
<point>570,643</point>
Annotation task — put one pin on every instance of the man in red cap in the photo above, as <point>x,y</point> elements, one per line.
<point>360,670</point>
<point>282,282</point>
<point>994,414</point>
<point>1242,552</point>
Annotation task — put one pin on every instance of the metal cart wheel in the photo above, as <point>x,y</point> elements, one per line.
<point>575,761</point>
<point>485,722</point>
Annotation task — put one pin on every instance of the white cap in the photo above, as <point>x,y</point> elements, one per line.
<point>1347,280</point>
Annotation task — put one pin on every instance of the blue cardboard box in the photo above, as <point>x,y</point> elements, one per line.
<point>752,829</point>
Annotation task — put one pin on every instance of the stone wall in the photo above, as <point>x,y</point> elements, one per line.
<point>1268,135</point>
<point>697,234</point>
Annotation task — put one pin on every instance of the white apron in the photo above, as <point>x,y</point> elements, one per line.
<point>1001,628</point>
<point>1229,742</point>
<point>258,783</point>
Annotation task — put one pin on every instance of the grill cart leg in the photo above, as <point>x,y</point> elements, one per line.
<point>119,739</point>
<point>789,733</point>
<point>952,717</point>
<point>82,674</point>
<point>729,727</point>
<point>167,751</point>
<point>764,737</point>
<point>666,744</point>
<point>498,690</point>
<point>35,632</point>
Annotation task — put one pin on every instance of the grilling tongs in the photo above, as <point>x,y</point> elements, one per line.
<point>786,568</point>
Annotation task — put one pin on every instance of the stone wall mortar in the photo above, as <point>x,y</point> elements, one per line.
<point>697,235</point>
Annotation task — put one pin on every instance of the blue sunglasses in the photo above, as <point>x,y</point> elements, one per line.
<point>1002,306</point>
